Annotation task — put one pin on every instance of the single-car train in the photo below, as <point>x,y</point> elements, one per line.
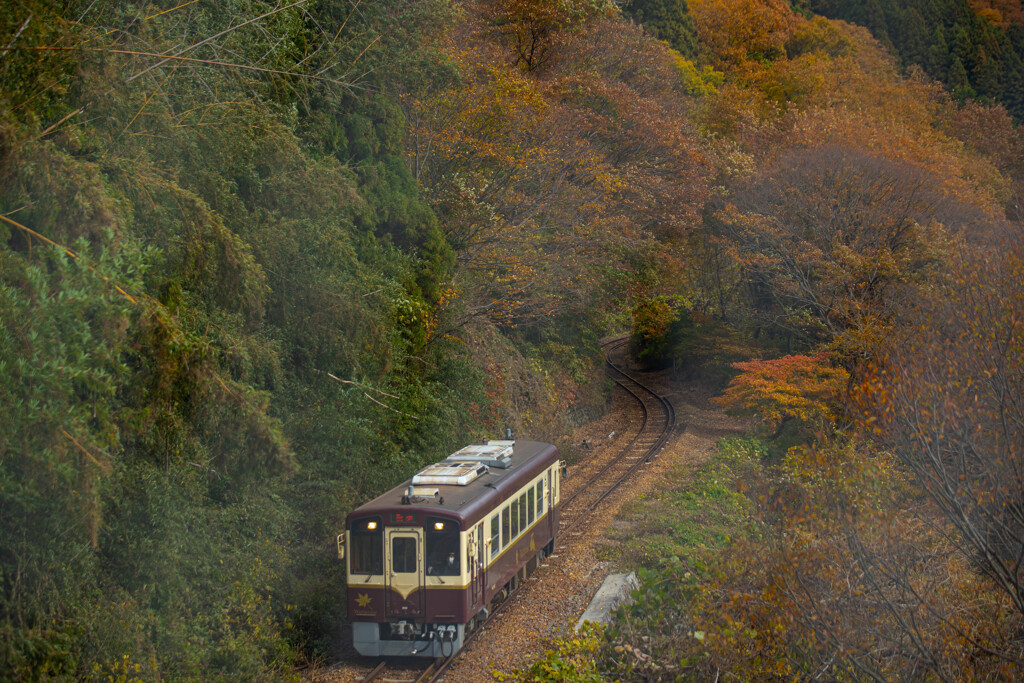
<point>429,558</point>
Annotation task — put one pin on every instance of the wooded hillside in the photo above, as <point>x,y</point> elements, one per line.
<point>261,260</point>
<point>974,47</point>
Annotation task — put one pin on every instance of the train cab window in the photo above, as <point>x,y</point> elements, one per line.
<point>515,518</point>
<point>403,555</point>
<point>540,498</point>
<point>443,551</point>
<point>529,506</point>
<point>506,536</point>
<point>522,512</point>
<point>495,535</point>
<point>367,551</point>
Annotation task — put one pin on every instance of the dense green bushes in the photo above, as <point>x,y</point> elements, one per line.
<point>191,252</point>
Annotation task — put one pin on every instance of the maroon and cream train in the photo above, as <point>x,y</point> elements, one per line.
<point>426,559</point>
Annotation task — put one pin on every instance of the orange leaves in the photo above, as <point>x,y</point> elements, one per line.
<point>795,83</point>
<point>947,400</point>
<point>804,388</point>
<point>837,239</point>
<point>999,12</point>
<point>534,28</point>
<point>740,31</point>
<point>482,118</point>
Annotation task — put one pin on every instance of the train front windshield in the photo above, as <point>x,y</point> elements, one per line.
<point>367,547</point>
<point>443,553</point>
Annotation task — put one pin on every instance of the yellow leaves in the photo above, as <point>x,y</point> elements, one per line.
<point>652,317</point>
<point>485,116</point>
<point>705,81</point>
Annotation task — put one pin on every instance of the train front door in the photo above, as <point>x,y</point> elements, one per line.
<point>404,594</point>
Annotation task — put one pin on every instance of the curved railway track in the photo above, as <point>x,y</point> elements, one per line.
<point>657,424</point>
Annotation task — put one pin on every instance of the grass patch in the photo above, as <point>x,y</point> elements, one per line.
<point>668,538</point>
<point>704,509</point>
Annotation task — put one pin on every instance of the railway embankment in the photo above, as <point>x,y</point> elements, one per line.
<point>553,600</point>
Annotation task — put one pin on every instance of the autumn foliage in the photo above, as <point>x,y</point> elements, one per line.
<point>947,399</point>
<point>863,221</point>
<point>260,260</point>
<point>802,388</point>
<point>564,189</point>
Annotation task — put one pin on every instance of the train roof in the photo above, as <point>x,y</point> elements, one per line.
<point>467,485</point>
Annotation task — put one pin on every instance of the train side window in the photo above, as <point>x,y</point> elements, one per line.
<point>529,505</point>
<point>403,555</point>
<point>515,518</point>
<point>522,512</point>
<point>505,528</point>
<point>540,498</point>
<point>367,552</point>
<point>443,551</point>
<point>495,535</point>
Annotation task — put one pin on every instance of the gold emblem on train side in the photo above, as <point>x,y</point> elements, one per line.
<point>363,600</point>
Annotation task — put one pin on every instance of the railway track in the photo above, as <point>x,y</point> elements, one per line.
<point>411,673</point>
<point>657,424</point>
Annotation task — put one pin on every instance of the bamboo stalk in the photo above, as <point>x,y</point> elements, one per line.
<point>102,466</point>
<point>70,253</point>
<point>165,57</point>
<point>17,33</point>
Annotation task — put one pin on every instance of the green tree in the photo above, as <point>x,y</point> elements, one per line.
<point>937,64</point>
<point>667,20</point>
<point>912,40</point>
<point>958,82</point>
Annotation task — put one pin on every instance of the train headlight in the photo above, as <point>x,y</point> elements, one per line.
<point>371,525</point>
<point>439,526</point>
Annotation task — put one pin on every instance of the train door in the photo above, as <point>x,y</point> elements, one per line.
<point>475,557</point>
<point>550,495</point>
<point>404,594</point>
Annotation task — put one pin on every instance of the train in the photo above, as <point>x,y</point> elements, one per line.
<point>428,560</point>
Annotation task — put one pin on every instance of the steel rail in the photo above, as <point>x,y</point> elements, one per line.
<point>649,452</point>
<point>670,410</point>
<point>429,672</point>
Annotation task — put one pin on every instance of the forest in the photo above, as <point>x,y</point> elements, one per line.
<point>262,259</point>
<point>974,47</point>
